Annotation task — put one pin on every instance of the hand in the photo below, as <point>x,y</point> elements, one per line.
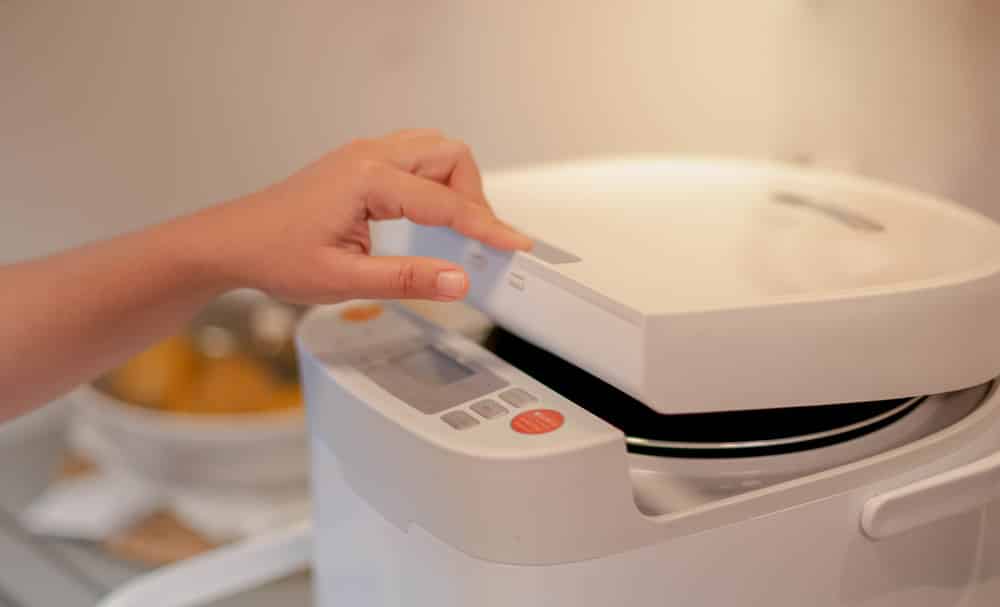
<point>76,314</point>
<point>307,240</point>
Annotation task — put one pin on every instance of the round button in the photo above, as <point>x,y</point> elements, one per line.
<point>537,421</point>
<point>361,313</point>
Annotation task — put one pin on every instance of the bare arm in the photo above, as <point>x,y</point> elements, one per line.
<point>69,317</point>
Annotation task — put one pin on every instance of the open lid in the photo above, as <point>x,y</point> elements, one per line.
<point>699,286</point>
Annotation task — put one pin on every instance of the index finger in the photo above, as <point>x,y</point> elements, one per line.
<point>395,194</point>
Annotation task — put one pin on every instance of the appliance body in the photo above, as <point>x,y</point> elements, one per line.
<point>692,287</point>
<point>810,554</point>
<point>411,511</point>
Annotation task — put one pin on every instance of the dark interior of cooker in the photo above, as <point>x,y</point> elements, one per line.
<point>639,421</point>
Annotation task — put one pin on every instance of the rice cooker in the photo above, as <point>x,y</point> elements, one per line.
<point>709,383</point>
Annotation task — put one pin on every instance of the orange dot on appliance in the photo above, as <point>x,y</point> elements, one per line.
<point>361,313</point>
<point>537,421</point>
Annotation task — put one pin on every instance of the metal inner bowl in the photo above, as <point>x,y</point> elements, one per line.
<point>751,433</point>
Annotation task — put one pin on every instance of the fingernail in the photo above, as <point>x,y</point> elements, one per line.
<point>451,284</point>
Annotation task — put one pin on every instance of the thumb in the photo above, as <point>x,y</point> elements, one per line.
<point>403,278</point>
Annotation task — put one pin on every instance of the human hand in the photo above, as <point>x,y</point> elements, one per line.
<point>306,239</point>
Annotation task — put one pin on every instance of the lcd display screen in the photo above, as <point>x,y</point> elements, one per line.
<point>430,367</point>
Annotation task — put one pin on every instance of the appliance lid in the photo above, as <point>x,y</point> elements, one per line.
<point>700,286</point>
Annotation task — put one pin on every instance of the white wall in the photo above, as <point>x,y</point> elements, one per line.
<point>114,114</point>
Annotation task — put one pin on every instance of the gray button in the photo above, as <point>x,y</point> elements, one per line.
<point>517,397</point>
<point>488,408</point>
<point>459,420</point>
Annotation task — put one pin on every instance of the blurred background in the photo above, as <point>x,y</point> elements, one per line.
<point>116,114</point>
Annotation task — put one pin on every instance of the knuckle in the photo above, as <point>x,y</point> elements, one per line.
<point>363,148</point>
<point>368,171</point>
<point>459,148</point>
<point>406,279</point>
<point>463,147</point>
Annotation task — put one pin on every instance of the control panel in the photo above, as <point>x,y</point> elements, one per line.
<point>438,383</point>
<point>430,428</point>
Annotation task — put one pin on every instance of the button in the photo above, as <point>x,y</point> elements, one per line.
<point>459,420</point>
<point>537,421</point>
<point>361,313</point>
<point>516,281</point>
<point>488,408</point>
<point>517,397</point>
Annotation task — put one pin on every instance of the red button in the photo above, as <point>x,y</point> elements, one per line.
<point>537,421</point>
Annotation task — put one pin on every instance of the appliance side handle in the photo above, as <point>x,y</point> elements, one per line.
<point>220,573</point>
<point>932,499</point>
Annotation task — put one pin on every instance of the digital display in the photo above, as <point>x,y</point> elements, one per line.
<point>431,380</point>
<point>433,368</point>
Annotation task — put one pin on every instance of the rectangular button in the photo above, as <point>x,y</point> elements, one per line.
<point>517,397</point>
<point>459,420</point>
<point>488,408</point>
<point>516,281</point>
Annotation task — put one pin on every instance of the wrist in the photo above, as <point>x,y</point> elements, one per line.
<point>196,254</point>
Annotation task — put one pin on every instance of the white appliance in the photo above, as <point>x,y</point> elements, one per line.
<point>710,383</point>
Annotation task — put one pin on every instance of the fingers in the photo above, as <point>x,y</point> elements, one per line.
<point>402,278</point>
<point>394,194</point>
<point>447,161</point>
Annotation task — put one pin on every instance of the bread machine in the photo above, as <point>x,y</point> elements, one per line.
<point>709,383</point>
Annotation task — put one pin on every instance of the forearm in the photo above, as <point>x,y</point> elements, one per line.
<point>69,317</point>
